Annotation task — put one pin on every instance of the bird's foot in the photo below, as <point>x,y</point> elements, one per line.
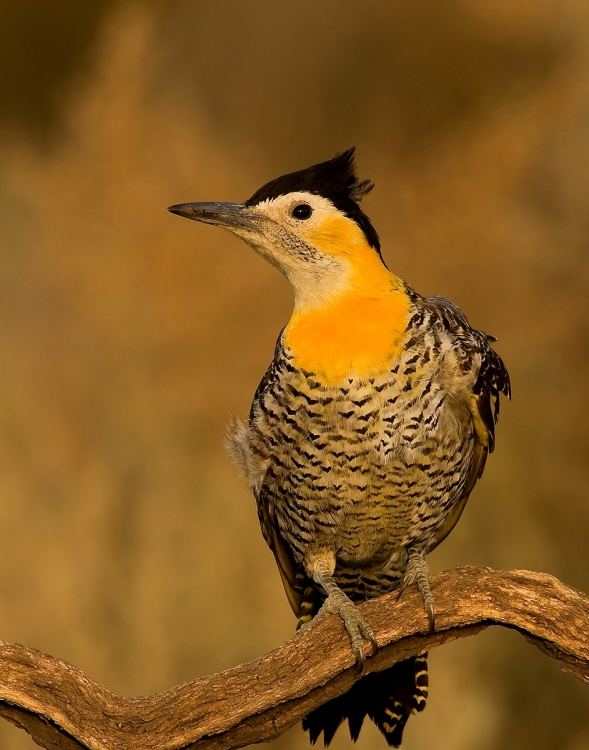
<point>417,572</point>
<point>357,627</point>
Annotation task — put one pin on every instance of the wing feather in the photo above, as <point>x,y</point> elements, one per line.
<point>286,565</point>
<point>492,380</point>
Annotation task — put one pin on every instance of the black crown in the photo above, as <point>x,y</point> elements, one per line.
<point>335,180</point>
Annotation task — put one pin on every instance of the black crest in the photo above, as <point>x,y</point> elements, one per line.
<point>335,180</point>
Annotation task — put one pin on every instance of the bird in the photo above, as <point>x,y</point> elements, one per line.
<point>369,429</point>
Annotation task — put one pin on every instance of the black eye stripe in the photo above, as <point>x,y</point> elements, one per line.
<point>302,211</point>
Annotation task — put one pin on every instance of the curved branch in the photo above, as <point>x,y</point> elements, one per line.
<point>62,708</point>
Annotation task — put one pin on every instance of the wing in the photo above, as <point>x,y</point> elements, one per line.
<point>492,380</point>
<point>289,571</point>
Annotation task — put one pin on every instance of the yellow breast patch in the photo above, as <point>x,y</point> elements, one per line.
<point>355,335</point>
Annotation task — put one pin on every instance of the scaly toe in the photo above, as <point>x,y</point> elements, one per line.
<point>356,626</point>
<point>368,634</point>
<point>417,572</point>
<point>408,579</point>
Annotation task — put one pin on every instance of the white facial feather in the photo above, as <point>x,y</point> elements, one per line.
<point>284,241</point>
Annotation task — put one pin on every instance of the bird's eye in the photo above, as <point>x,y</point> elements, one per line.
<point>302,211</point>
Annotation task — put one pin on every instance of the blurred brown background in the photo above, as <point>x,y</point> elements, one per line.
<point>128,544</point>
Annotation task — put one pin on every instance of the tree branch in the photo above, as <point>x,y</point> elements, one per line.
<point>62,708</point>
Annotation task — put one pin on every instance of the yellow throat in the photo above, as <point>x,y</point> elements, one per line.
<point>361,330</point>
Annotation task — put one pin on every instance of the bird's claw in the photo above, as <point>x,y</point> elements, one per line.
<point>404,585</point>
<point>417,572</point>
<point>431,614</point>
<point>357,627</point>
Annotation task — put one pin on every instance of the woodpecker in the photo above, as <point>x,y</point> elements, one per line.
<point>369,429</point>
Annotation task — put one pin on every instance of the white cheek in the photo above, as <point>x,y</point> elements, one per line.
<point>315,282</point>
<point>267,250</point>
<point>316,278</point>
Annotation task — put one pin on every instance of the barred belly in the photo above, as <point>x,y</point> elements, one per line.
<point>364,468</point>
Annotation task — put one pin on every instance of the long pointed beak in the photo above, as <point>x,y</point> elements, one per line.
<point>228,215</point>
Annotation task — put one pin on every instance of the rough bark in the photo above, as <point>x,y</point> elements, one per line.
<point>62,708</point>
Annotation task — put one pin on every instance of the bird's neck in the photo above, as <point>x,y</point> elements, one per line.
<point>356,333</point>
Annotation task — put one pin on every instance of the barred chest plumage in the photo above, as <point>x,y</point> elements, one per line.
<point>363,467</point>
